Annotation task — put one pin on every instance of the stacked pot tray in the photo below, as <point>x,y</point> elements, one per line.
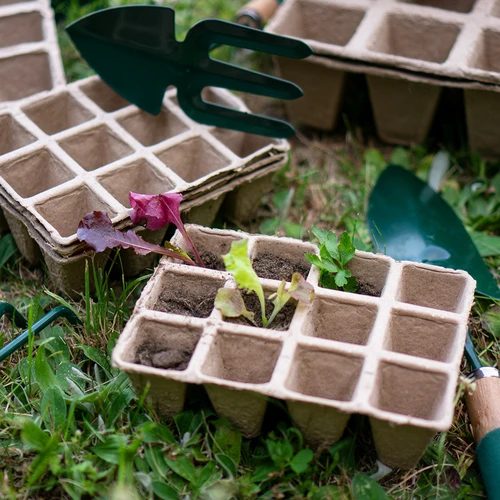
<point>409,50</point>
<point>83,148</point>
<point>393,357</point>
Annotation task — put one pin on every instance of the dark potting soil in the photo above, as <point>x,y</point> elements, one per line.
<point>211,261</point>
<point>186,306</point>
<point>273,267</point>
<point>252,303</point>
<point>158,357</point>
<point>368,289</point>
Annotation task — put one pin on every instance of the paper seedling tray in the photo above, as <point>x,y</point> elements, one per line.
<point>83,148</point>
<point>409,50</point>
<point>394,358</point>
<point>30,61</point>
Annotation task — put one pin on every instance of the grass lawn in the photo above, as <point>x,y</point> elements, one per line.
<point>71,426</point>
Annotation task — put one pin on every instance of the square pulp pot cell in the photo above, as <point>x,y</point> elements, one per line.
<point>95,148</point>
<point>323,22</point>
<point>240,143</point>
<point>105,97</point>
<point>423,337</point>
<point>463,6</point>
<point>324,374</point>
<point>149,129</point>
<point>278,260</point>
<point>414,37</point>
<point>138,176</point>
<point>339,320</point>
<point>487,50</point>
<point>36,172</point>
<point>436,289</point>
<point>57,113</point>
<point>13,135</point>
<point>193,159</point>
<point>25,27</point>
<point>184,294</point>
<point>24,75</point>
<point>409,391</point>
<point>66,210</point>
<point>246,359</point>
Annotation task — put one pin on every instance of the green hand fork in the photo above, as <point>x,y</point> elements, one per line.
<point>134,50</point>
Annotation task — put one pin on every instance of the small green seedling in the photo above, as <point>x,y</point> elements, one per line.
<point>230,302</point>
<point>333,258</point>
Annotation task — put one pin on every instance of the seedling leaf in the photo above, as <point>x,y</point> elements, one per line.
<point>231,305</point>
<point>97,230</point>
<point>300,289</point>
<point>157,211</point>
<point>346,248</point>
<point>239,265</point>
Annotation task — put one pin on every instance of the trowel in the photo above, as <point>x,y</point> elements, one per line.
<point>408,220</point>
<point>135,51</point>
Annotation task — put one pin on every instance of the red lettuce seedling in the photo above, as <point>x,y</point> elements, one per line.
<point>156,211</point>
<point>97,230</point>
<point>230,302</point>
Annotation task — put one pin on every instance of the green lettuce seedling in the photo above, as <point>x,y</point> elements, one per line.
<point>333,258</point>
<point>230,302</point>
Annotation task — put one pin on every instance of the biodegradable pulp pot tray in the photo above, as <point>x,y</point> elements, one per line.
<point>409,50</point>
<point>30,61</point>
<point>394,358</point>
<point>83,148</point>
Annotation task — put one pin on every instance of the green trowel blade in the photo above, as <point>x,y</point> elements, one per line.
<point>408,220</point>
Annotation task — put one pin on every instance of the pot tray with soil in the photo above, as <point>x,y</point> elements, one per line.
<point>394,358</point>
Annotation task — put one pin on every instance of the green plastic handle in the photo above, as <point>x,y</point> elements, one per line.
<point>15,316</point>
<point>488,457</point>
<point>22,339</point>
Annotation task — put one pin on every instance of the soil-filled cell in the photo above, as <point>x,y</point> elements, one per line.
<point>12,135</point>
<point>57,113</point>
<point>186,295</point>
<point>240,143</point>
<point>21,28</point>
<point>193,159</point>
<point>95,148</point>
<point>281,322</point>
<point>210,246</point>
<point>486,51</point>
<point>324,374</point>
<point>318,20</point>
<point>139,176</point>
<point>24,75</point>
<point>436,289</point>
<point>105,97</point>
<point>344,322</point>
<point>463,6</point>
<point>423,337</point>
<point>242,358</point>
<point>151,129</point>
<point>65,211</point>
<point>279,260</point>
<point>415,37</point>
<point>409,391</point>
<point>168,346</point>
<point>371,274</point>
<point>36,172</point>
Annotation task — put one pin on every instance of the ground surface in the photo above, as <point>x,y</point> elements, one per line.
<point>105,442</point>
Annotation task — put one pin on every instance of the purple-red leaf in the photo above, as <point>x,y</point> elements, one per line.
<point>97,230</point>
<point>156,211</point>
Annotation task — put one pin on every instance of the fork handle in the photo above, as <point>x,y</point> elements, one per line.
<point>257,12</point>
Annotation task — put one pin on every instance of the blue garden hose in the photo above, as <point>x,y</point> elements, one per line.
<point>13,314</point>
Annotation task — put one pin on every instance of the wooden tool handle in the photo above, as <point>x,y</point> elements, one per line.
<point>257,12</point>
<point>483,403</point>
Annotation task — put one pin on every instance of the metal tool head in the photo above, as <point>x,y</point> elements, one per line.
<point>135,51</point>
<point>408,220</point>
